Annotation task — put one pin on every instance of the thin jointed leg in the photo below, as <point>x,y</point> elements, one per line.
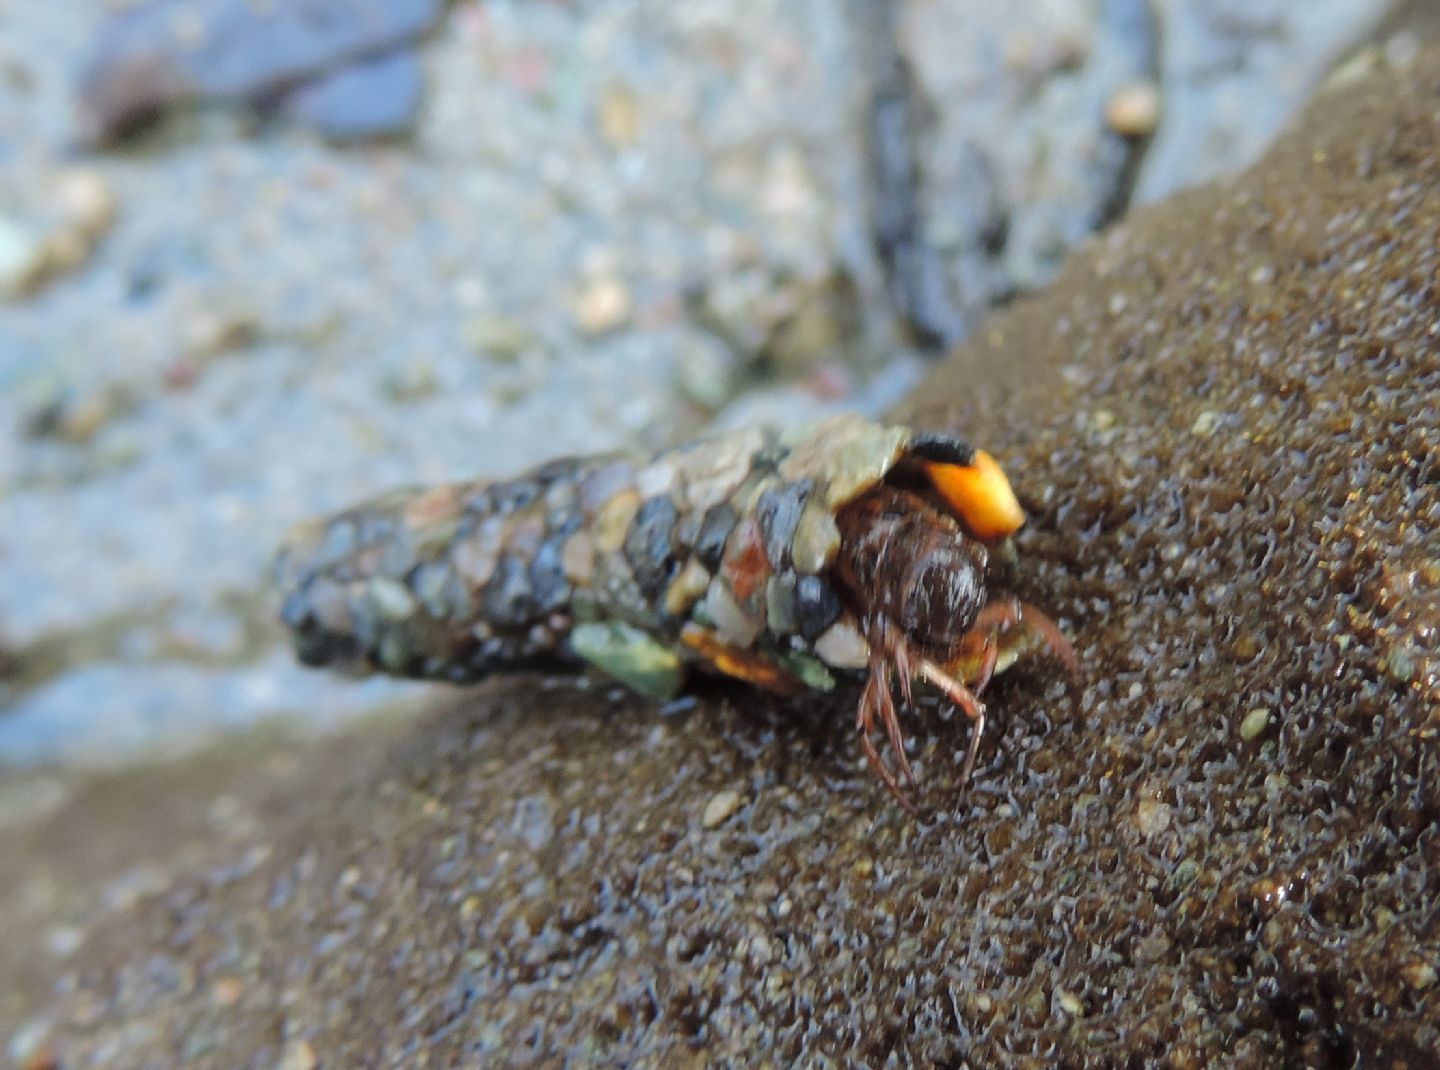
<point>961,695</point>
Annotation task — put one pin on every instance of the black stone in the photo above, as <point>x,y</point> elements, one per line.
<point>366,627</point>
<point>508,599</point>
<point>548,586</point>
<point>245,51</point>
<point>816,607</point>
<point>371,98</point>
<point>767,459</point>
<point>562,469</point>
<point>648,546</point>
<point>511,496</point>
<point>687,531</point>
<point>778,513</point>
<point>314,644</point>
<point>295,610</point>
<point>714,533</point>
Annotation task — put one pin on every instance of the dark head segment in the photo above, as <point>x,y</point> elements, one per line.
<point>943,591</point>
<point>904,562</point>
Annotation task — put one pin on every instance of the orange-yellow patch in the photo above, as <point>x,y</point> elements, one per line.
<point>980,495</point>
<point>741,664</point>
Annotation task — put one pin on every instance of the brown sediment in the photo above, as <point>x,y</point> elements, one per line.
<point>1221,851</point>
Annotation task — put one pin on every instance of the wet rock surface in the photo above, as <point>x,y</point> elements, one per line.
<point>989,222</point>
<point>1231,74</point>
<point>1219,848</point>
<point>996,142</point>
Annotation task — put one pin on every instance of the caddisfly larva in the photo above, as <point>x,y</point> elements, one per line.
<point>785,560</point>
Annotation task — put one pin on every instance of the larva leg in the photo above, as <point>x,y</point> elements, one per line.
<point>906,672</point>
<point>995,620</point>
<point>961,695</point>
<point>1010,615</point>
<point>890,718</point>
<point>989,658</point>
<point>876,702</point>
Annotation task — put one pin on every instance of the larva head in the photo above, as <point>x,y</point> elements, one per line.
<point>940,593</point>
<point>904,561</point>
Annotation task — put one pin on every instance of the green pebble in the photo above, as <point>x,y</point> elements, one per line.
<point>630,656</point>
<point>810,671</point>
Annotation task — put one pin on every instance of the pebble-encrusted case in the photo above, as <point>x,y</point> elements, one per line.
<point>714,553</point>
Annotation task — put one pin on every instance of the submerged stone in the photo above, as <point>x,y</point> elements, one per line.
<point>369,99</point>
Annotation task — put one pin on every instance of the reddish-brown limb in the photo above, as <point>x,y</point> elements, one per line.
<point>1008,614</point>
<point>961,695</point>
<point>889,651</point>
<point>877,702</point>
<point>989,658</point>
<point>994,620</point>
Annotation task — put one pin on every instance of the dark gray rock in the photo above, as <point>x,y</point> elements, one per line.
<point>368,99</point>
<point>167,52</point>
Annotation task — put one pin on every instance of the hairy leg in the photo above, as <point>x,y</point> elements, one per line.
<point>961,695</point>
<point>889,651</point>
<point>1010,614</point>
<point>875,699</point>
<point>877,705</point>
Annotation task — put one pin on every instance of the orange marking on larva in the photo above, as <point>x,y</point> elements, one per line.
<point>745,566</point>
<point>744,665</point>
<point>980,495</point>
